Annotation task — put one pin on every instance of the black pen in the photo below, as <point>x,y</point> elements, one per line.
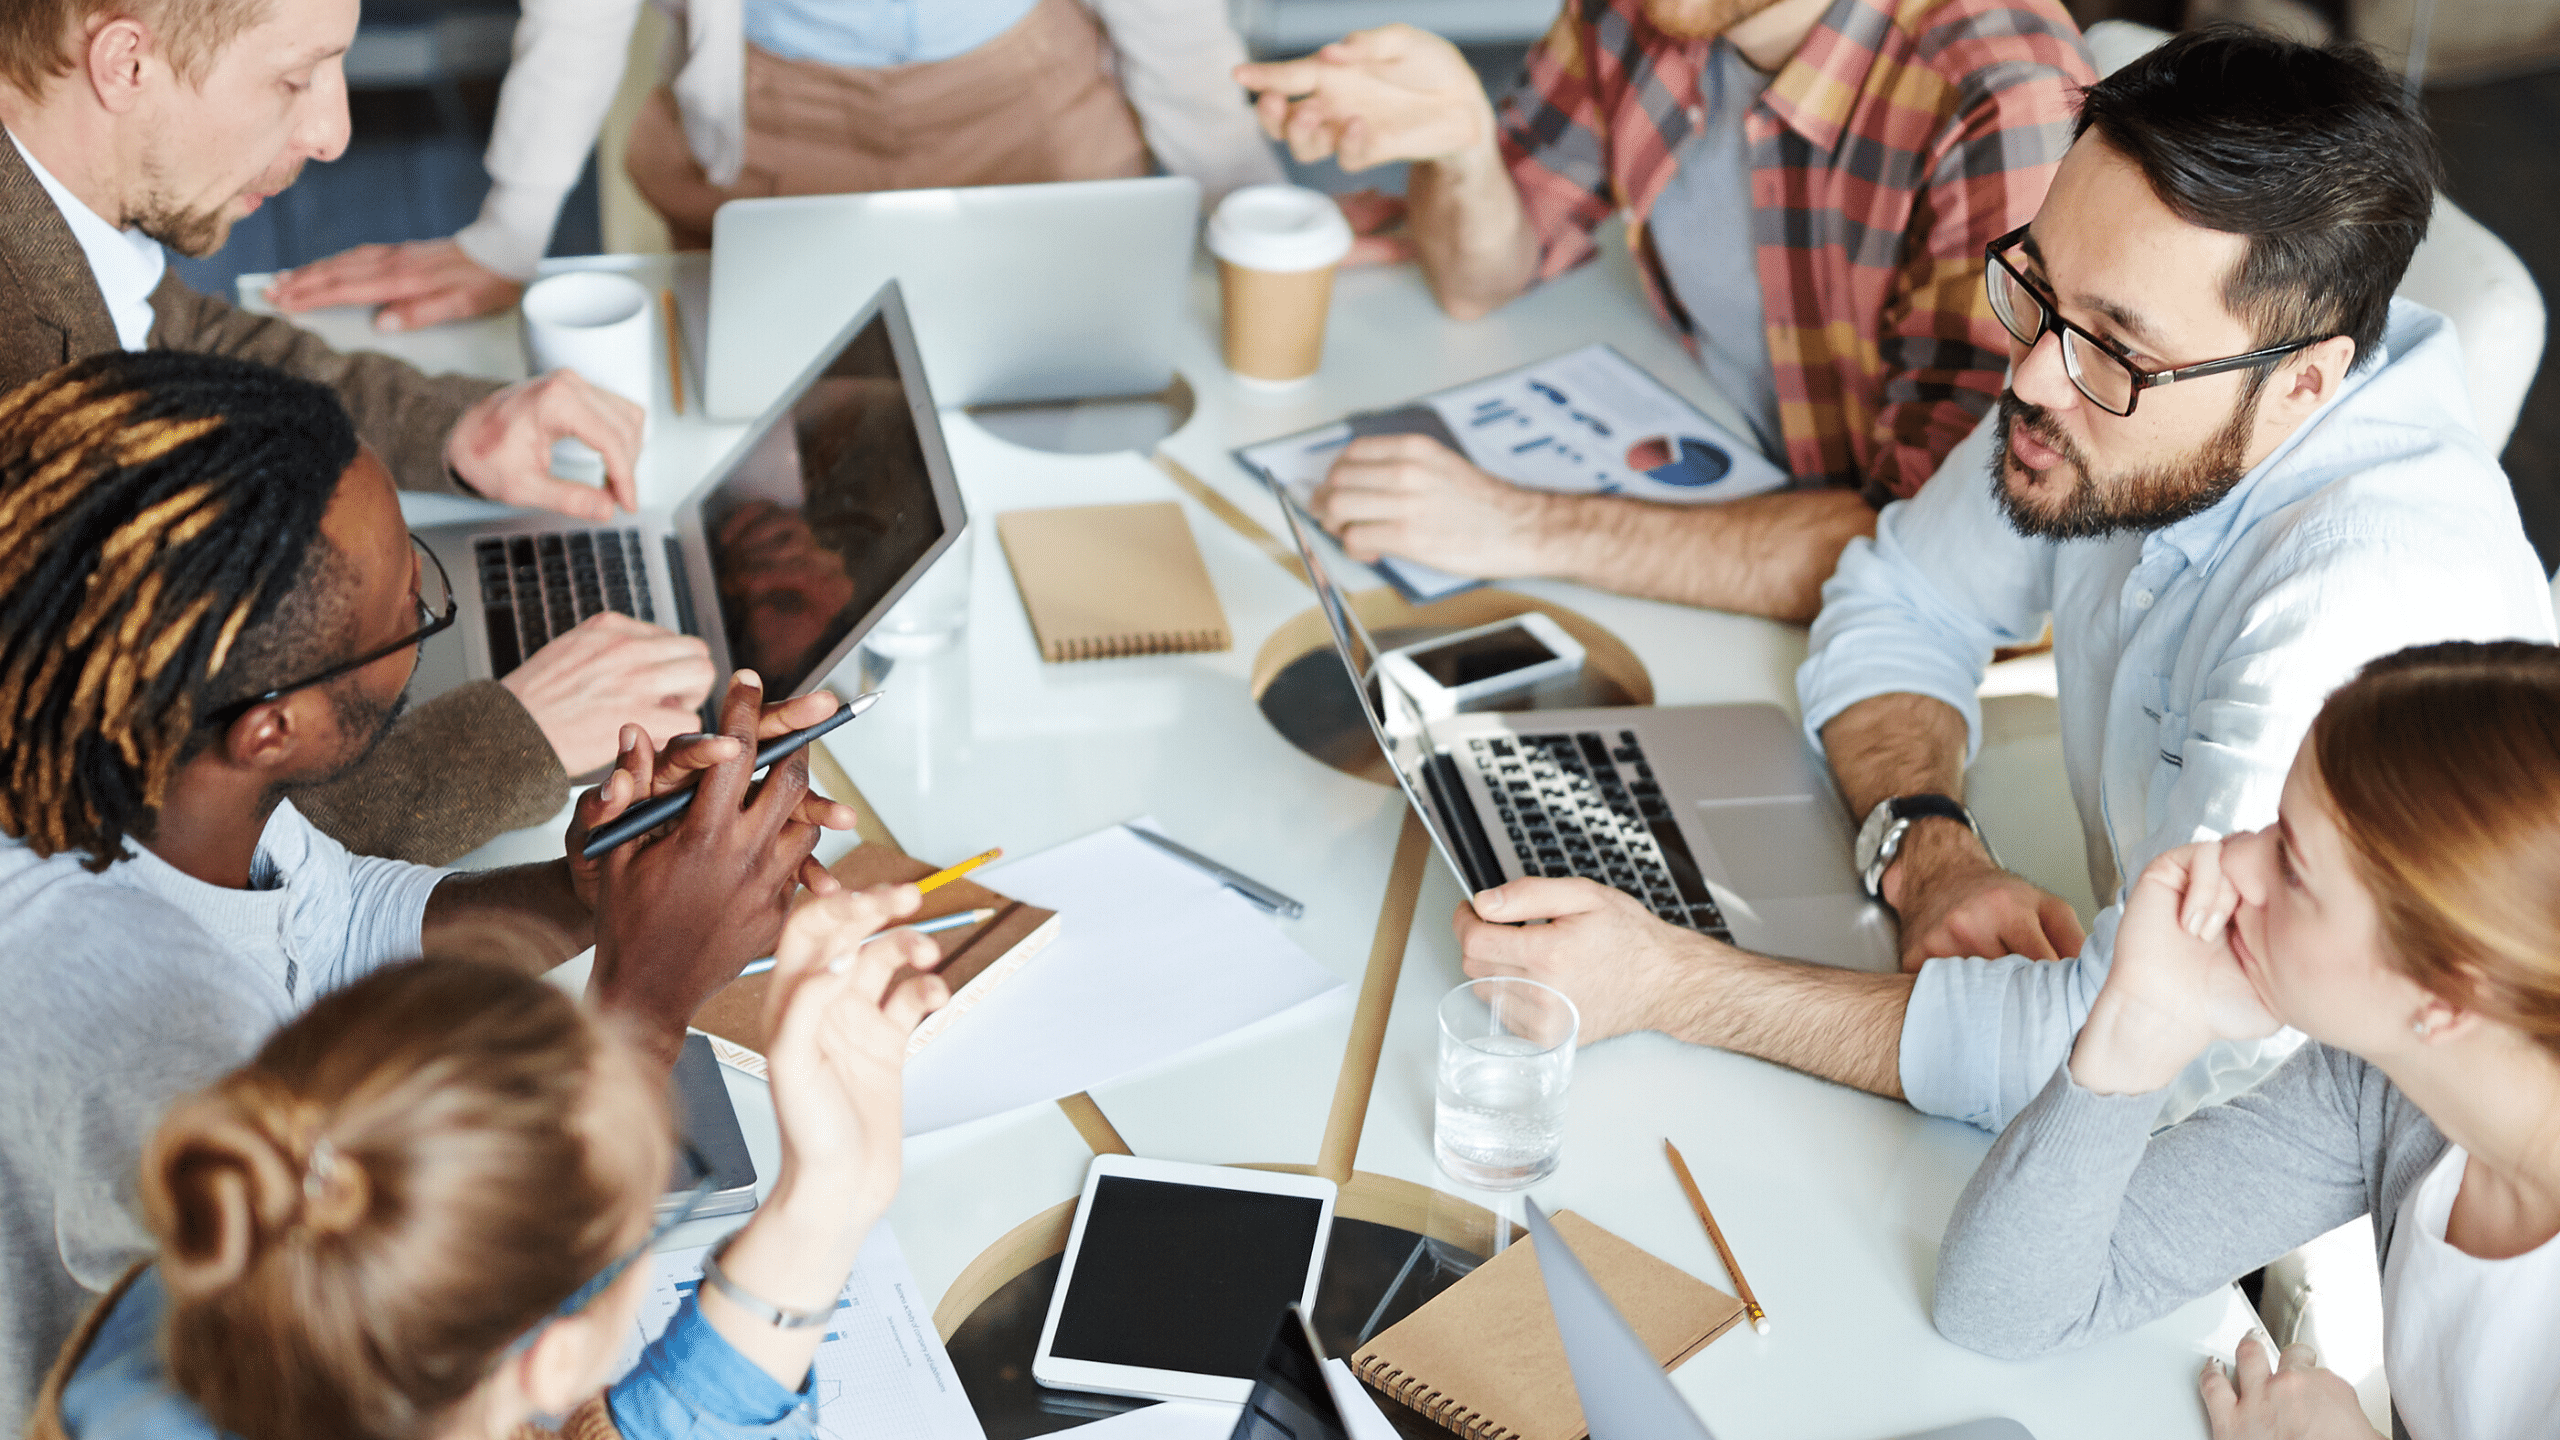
<point>648,815</point>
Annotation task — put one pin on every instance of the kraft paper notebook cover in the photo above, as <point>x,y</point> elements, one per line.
<point>1484,1359</point>
<point>975,960</point>
<point>1103,581</point>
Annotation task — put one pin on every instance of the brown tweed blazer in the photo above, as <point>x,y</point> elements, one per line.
<point>460,768</point>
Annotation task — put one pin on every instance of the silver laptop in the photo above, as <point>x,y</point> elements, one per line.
<point>1064,291</point>
<point>817,520</point>
<point>1718,817</point>
<point>1624,1393</point>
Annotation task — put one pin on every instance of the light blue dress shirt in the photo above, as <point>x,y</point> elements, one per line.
<point>870,34</point>
<point>2190,661</point>
<point>690,1384</point>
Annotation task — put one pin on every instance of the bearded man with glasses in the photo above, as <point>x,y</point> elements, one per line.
<point>2228,467</point>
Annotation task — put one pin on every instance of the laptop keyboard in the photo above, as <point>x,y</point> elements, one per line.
<point>532,587</point>
<point>1574,804</point>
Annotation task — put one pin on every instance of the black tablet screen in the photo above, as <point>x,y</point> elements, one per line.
<point>1184,1277</point>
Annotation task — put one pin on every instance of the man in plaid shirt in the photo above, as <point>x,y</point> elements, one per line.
<point>1808,186</point>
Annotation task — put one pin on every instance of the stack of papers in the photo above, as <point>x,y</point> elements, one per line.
<point>881,1372</point>
<point>1153,957</point>
<point>1192,1420</point>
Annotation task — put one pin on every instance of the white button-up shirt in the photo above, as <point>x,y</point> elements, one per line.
<point>2190,662</point>
<point>126,263</point>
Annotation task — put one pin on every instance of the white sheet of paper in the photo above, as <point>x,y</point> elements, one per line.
<point>1360,1412</point>
<point>1155,957</point>
<point>1590,421</point>
<point>881,1372</point>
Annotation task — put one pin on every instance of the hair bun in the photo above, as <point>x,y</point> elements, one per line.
<point>218,1189</point>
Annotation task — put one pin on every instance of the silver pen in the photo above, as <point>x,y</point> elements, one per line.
<point>1241,883</point>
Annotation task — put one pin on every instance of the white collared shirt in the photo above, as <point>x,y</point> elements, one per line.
<point>126,263</point>
<point>2191,660</point>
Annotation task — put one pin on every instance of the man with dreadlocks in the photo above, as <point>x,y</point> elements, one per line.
<point>135,124</point>
<point>209,605</point>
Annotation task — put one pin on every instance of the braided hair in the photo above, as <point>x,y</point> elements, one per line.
<point>156,511</point>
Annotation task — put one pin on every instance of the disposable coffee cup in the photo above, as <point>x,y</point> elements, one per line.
<point>596,323</point>
<point>1277,246</point>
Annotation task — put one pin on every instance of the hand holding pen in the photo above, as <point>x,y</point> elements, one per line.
<point>679,911</point>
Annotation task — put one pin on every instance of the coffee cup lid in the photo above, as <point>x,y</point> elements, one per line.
<point>1279,227</point>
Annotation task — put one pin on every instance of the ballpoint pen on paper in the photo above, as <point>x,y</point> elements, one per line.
<point>949,873</point>
<point>1724,1252</point>
<point>1236,880</point>
<point>935,926</point>
<point>648,815</point>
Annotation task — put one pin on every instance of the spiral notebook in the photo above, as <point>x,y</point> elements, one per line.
<point>975,959</point>
<point>1484,1358</point>
<point>1104,581</point>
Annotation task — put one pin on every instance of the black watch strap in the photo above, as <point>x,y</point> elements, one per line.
<point>1915,807</point>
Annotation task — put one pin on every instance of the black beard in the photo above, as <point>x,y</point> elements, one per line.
<point>2140,501</point>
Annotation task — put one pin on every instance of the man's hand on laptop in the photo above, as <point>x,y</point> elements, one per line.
<point>1375,97</point>
<point>1954,901</point>
<point>415,284</point>
<point>609,671</point>
<point>501,447</point>
<point>1412,496</point>
<point>1619,964</point>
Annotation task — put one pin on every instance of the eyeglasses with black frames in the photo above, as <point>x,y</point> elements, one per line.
<point>437,608</point>
<point>2097,367</point>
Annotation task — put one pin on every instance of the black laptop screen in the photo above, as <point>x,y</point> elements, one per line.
<point>823,518</point>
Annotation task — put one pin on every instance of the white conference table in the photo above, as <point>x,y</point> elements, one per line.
<point>1834,1201</point>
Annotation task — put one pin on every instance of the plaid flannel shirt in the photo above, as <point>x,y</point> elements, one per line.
<point>1902,137</point>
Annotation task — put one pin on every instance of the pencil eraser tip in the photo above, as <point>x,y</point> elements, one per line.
<point>1761,1325</point>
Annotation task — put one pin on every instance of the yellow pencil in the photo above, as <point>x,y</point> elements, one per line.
<point>949,873</point>
<point>1724,1252</point>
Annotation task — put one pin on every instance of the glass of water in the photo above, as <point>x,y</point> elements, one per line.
<point>1506,1056</point>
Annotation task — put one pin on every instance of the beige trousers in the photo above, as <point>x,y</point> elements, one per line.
<point>1036,103</point>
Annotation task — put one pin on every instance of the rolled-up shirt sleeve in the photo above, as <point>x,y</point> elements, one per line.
<point>1982,1037</point>
<point>691,1384</point>
<point>1918,609</point>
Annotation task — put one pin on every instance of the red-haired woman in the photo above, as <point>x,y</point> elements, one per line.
<point>424,1212</point>
<point>2403,912</point>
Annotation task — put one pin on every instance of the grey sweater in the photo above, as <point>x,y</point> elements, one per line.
<point>2081,1223</point>
<point>126,990</point>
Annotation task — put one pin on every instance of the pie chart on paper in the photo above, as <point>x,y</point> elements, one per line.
<point>1680,460</point>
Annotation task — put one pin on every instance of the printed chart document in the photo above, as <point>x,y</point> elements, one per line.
<point>881,1372</point>
<point>1588,422</point>
<point>1154,957</point>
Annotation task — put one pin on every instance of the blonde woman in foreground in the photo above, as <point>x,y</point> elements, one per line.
<point>425,1211</point>
<point>2404,913</point>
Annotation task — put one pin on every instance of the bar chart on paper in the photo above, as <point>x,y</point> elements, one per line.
<point>881,1372</point>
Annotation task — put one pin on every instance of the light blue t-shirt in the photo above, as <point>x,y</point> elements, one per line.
<point>872,34</point>
<point>690,1384</point>
<point>1701,226</point>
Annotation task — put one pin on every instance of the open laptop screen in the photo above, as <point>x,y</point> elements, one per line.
<point>824,517</point>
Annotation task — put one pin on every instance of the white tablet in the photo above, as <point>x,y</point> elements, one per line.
<point>1175,1275</point>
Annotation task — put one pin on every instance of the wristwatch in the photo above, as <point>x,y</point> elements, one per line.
<point>1880,838</point>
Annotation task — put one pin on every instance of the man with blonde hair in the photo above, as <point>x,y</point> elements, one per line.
<point>138,124</point>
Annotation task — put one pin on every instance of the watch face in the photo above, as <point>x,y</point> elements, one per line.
<point>1871,837</point>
